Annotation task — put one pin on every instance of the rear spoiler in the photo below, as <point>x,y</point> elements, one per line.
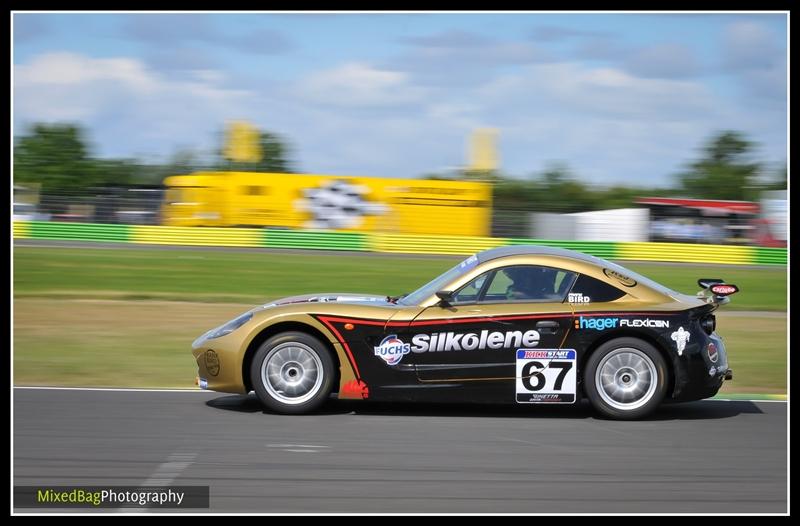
<point>716,290</point>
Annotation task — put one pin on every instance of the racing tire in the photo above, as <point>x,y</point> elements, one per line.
<point>625,379</point>
<point>292,373</point>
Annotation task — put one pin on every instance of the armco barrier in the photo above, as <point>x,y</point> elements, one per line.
<point>392,243</point>
<point>22,230</point>
<point>601,249</point>
<point>184,235</point>
<point>686,252</point>
<point>769,256</point>
<point>77,231</point>
<point>314,239</point>
<point>411,244</point>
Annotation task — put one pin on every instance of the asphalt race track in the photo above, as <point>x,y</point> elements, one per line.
<point>701,457</point>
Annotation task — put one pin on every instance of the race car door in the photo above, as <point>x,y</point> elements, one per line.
<point>477,335</point>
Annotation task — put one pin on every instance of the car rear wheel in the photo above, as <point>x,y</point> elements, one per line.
<point>626,378</point>
<point>292,373</point>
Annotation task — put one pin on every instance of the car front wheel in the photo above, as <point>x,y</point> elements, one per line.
<point>626,378</point>
<point>292,373</point>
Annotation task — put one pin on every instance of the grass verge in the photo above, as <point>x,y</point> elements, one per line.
<point>200,275</point>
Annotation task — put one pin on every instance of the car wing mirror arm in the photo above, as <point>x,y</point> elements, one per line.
<point>445,297</point>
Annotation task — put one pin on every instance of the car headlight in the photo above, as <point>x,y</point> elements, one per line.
<point>229,327</point>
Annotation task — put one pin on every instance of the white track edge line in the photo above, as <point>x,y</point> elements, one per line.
<point>143,390</point>
<point>121,389</point>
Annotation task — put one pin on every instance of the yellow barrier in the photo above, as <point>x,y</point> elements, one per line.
<point>21,230</point>
<point>309,201</point>
<point>686,253</point>
<point>460,245</point>
<point>225,237</point>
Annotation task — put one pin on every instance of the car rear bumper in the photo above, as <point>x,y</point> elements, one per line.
<point>702,373</point>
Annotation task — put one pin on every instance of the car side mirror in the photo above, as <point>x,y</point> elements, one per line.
<point>446,296</point>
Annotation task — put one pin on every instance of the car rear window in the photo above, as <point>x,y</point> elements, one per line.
<point>595,290</point>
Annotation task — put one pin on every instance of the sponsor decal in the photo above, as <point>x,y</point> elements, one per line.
<point>339,299</point>
<point>392,349</point>
<point>455,341</point>
<point>713,354</point>
<point>546,354</point>
<point>600,324</point>
<point>724,289</point>
<point>578,297</point>
<point>469,262</point>
<point>546,376</point>
<point>203,383</point>
<point>622,278</point>
<point>355,389</point>
<point>680,337</point>
<point>647,322</point>
<point>597,324</point>
<point>212,362</point>
<point>712,371</point>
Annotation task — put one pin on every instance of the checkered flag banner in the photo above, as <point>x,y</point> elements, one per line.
<point>337,204</point>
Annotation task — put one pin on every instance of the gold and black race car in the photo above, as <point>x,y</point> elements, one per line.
<point>517,324</point>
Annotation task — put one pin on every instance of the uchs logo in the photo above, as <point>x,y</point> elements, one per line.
<point>392,349</point>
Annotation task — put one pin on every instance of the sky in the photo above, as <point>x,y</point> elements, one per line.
<point>615,98</point>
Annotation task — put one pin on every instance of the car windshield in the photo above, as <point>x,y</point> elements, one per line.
<point>432,287</point>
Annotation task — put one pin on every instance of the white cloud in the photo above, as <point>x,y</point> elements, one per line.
<point>608,125</point>
<point>667,60</point>
<point>71,69</point>
<point>357,84</point>
<point>123,95</point>
<point>749,45</point>
<point>751,52</point>
<point>607,92</point>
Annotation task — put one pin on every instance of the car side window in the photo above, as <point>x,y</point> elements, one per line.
<point>470,292</point>
<point>587,289</point>
<point>528,283</point>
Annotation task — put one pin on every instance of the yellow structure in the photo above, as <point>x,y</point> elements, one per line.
<point>400,206</point>
<point>242,142</point>
<point>483,150</point>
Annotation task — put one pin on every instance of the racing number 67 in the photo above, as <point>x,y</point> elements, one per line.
<point>533,371</point>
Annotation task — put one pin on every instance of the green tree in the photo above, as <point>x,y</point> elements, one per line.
<point>182,162</point>
<point>274,153</point>
<point>274,157</point>
<point>113,172</point>
<point>560,192</point>
<point>781,180</point>
<point>725,171</point>
<point>56,156</point>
